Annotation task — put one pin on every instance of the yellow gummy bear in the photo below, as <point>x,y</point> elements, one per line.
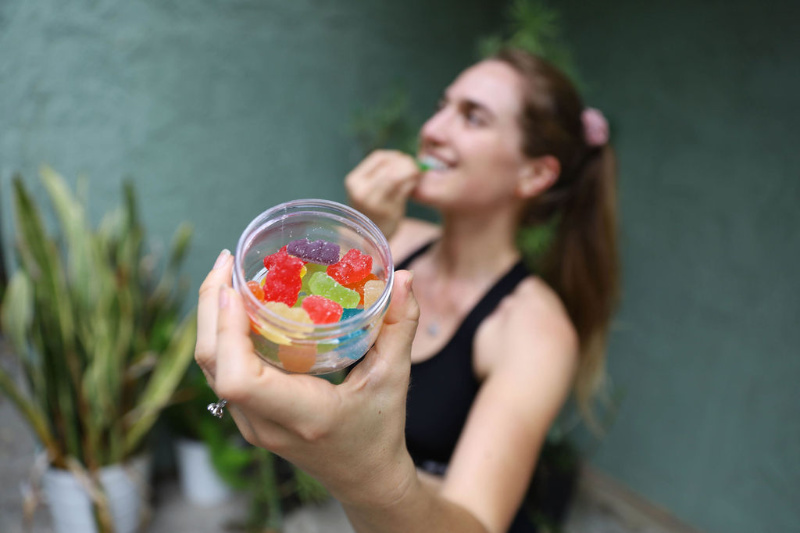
<point>295,314</point>
<point>372,291</point>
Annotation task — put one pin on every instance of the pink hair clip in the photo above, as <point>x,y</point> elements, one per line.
<point>595,127</point>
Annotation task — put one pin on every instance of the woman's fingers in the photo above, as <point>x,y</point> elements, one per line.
<point>380,186</point>
<point>205,349</point>
<point>237,365</point>
<point>370,163</point>
<point>380,176</point>
<point>296,402</point>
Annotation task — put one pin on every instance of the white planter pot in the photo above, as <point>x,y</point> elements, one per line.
<point>71,507</point>
<point>200,483</point>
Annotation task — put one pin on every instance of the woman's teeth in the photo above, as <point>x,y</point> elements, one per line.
<point>431,163</point>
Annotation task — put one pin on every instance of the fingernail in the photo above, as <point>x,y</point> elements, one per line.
<point>224,297</point>
<point>223,256</point>
<point>409,279</point>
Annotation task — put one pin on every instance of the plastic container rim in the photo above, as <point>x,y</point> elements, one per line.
<point>294,329</point>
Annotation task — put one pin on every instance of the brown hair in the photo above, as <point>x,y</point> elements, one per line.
<point>582,263</point>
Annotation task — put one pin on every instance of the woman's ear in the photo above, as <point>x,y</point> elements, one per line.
<point>538,175</point>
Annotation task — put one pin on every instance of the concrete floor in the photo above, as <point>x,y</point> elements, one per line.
<point>592,512</point>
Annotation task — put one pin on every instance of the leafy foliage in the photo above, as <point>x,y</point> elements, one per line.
<point>96,328</point>
<point>387,124</point>
<point>533,26</point>
<point>272,485</point>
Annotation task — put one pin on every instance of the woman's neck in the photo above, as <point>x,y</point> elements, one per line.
<point>476,245</point>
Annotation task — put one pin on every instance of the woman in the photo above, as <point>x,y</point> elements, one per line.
<point>498,349</point>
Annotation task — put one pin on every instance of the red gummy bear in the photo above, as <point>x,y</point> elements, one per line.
<point>269,260</point>
<point>283,282</point>
<point>353,267</point>
<point>322,310</point>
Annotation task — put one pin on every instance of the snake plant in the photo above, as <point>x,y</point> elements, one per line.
<point>96,323</point>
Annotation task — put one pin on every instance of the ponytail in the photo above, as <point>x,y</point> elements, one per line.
<point>581,261</point>
<point>582,266</point>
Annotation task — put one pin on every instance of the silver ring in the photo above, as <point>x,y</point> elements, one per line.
<point>217,409</point>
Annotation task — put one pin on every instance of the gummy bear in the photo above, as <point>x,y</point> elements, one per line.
<point>320,252</point>
<point>372,291</point>
<point>358,286</point>
<point>256,289</point>
<point>311,269</point>
<point>269,260</point>
<point>353,267</point>
<point>282,282</point>
<point>297,358</point>
<point>322,310</point>
<point>349,313</point>
<point>324,285</point>
<point>296,314</point>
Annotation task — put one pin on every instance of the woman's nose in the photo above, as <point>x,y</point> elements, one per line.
<point>434,131</point>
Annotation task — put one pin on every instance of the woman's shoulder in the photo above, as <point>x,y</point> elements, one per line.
<point>410,235</point>
<point>532,325</point>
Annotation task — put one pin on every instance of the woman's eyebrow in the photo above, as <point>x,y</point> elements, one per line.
<point>467,104</point>
<point>470,105</point>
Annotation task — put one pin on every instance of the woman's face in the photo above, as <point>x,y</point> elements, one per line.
<point>474,141</point>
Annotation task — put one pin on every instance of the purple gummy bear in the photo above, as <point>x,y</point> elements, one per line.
<point>320,252</point>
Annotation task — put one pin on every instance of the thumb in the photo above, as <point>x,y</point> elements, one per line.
<point>392,349</point>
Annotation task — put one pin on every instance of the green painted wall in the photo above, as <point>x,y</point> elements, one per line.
<point>216,109</point>
<point>704,100</point>
<point>221,109</point>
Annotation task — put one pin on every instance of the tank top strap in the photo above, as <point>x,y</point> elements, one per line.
<point>405,263</point>
<point>489,302</point>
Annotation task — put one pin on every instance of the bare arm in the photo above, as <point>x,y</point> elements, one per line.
<point>351,437</point>
<point>420,509</point>
<point>526,354</point>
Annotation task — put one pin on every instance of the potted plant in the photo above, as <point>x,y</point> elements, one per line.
<point>213,460</point>
<point>96,326</point>
<point>205,447</point>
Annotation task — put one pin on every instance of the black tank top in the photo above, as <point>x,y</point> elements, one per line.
<point>444,386</point>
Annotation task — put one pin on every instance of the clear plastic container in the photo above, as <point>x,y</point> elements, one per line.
<point>301,347</point>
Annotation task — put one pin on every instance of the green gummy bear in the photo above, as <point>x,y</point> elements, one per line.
<point>324,285</point>
<point>311,269</point>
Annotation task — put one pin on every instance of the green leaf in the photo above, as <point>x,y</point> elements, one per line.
<point>32,413</point>
<point>162,384</point>
<point>80,250</point>
<point>82,312</point>
<point>17,317</point>
<point>52,337</point>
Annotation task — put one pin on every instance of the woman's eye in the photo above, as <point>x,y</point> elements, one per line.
<point>474,118</point>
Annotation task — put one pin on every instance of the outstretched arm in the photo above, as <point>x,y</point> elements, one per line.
<point>351,437</point>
